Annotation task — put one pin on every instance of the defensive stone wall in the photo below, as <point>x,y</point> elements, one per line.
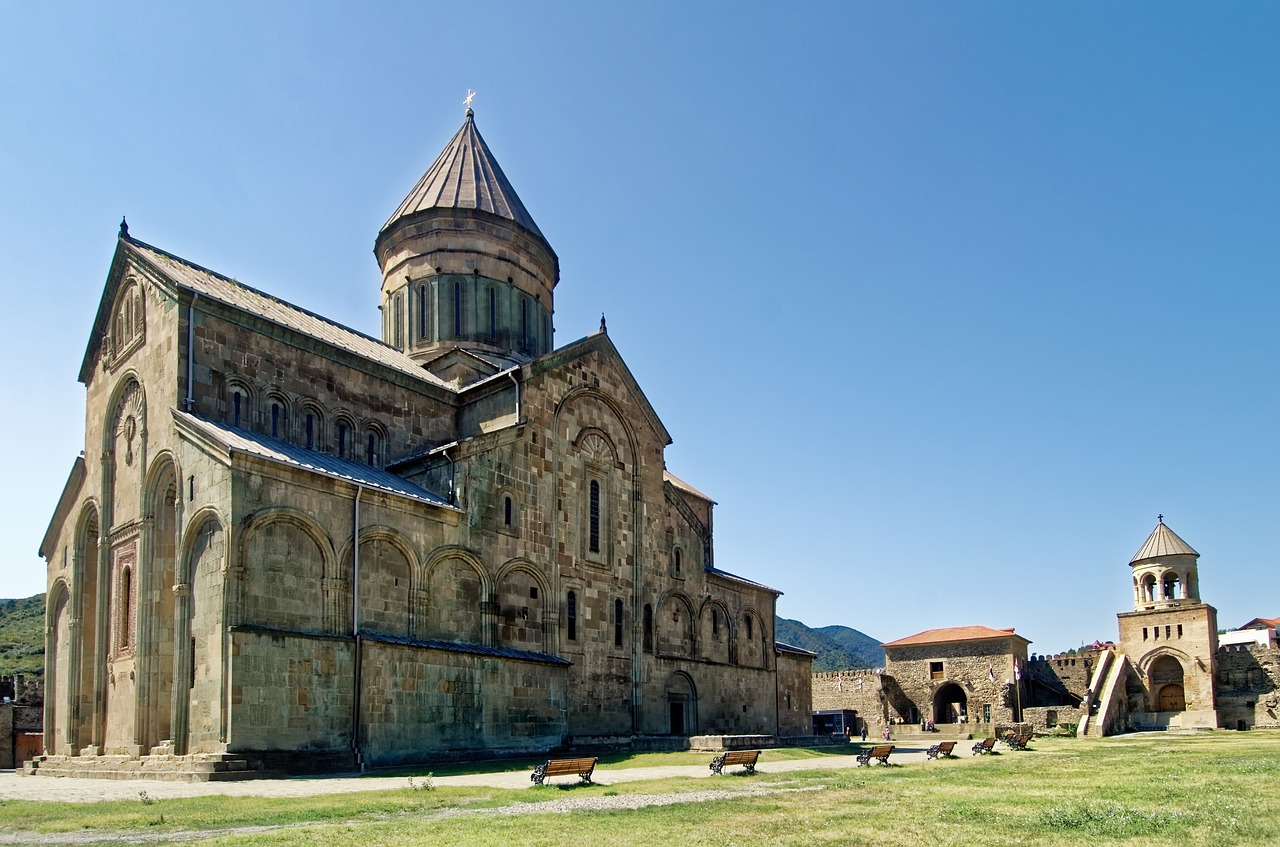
<point>1248,686</point>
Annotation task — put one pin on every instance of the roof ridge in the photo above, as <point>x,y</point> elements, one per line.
<point>232,280</point>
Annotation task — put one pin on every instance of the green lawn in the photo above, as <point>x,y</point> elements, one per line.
<point>1220,788</point>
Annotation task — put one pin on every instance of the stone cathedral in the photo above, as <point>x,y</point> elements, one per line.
<point>292,546</point>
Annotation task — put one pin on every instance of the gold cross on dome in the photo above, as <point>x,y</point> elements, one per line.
<point>470,96</point>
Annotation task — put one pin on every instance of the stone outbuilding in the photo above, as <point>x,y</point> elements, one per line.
<point>290,545</point>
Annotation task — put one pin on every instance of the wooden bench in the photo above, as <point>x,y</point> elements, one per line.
<point>880,753</point>
<point>746,758</point>
<point>943,749</point>
<point>1018,742</point>
<point>986,745</point>
<point>581,768</point>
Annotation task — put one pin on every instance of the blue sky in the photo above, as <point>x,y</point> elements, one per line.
<point>942,302</point>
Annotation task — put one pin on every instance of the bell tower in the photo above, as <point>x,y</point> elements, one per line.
<point>1164,571</point>
<point>1170,637</point>
<point>466,273</point>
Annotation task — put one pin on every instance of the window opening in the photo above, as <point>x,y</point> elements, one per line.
<point>506,511</point>
<point>935,670</point>
<point>617,623</point>
<point>370,449</point>
<point>311,431</point>
<point>524,324</point>
<point>457,308</point>
<point>399,319</point>
<point>235,409</point>
<point>1179,630</point>
<point>677,561</point>
<point>571,608</point>
<point>493,313</point>
<point>342,441</point>
<point>715,624</point>
<point>594,529</point>
<point>533,592</point>
<point>126,605</point>
<point>275,420</point>
<point>748,622</point>
<point>648,628</point>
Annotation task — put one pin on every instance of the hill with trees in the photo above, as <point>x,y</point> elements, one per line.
<point>838,647</point>
<point>22,636</point>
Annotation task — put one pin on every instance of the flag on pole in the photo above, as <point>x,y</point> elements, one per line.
<point>840,681</point>
<point>991,674</point>
<point>1017,670</point>
<point>859,683</point>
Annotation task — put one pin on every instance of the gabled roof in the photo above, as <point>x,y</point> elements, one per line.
<point>236,440</point>
<point>214,286</point>
<point>955,633</point>
<point>684,486</point>
<point>466,176</point>
<point>1161,543</point>
<point>66,502</point>
<point>1262,623</point>
<point>733,577</point>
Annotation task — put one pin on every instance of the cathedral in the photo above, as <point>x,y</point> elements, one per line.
<point>290,546</point>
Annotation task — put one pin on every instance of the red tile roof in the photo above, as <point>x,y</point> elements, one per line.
<point>955,633</point>
<point>1262,623</point>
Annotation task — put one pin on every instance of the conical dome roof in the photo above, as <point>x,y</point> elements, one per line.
<point>1163,542</point>
<point>466,176</point>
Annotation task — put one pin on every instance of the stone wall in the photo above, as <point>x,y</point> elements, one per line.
<point>794,698</point>
<point>979,669</point>
<point>1045,718</point>
<point>1248,687</point>
<point>860,690</point>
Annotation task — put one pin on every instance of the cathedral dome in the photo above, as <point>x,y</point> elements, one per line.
<point>464,265</point>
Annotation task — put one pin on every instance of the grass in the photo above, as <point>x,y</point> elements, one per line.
<point>1220,788</point>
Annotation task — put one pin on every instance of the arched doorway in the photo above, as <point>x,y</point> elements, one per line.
<point>950,705</point>
<point>682,705</point>
<point>1167,684</point>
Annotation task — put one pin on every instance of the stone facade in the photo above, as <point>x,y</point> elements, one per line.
<point>291,545</point>
<point>966,676</point>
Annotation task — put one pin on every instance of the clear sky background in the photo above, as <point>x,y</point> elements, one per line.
<point>941,302</point>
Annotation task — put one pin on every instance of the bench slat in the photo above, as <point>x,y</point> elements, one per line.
<point>746,758</point>
<point>582,767</point>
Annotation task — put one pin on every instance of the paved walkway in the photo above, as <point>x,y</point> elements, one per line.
<point>77,790</point>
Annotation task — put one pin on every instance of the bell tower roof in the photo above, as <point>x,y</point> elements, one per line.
<point>1162,542</point>
<point>466,176</point>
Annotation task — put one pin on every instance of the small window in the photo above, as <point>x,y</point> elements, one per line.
<point>342,441</point>
<point>617,623</point>
<point>533,592</point>
<point>126,607</point>
<point>935,670</point>
<point>275,420</point>
<point>571,611</point>
<point>235,409</point>
<point>748,624</point>
<point>1179,630</point>
<point>524,324</point>
<point>648,628</point>
<point>371,449</point>
<point>311,431</point>
<point>399,319</point>
<point>1144,633</point>
<point>715,624</point>
<point>457,309</point>
<point>493,313</point>
<point>506,511</point>
<point>676,561</point>
<point>1167,631</point>
<point>593,544</point>
<point>986,713</point>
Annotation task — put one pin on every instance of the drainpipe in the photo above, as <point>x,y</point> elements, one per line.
<point>453,500</point>
<point>355,626</point>
<point>191,352</point>
<point>511,373</point>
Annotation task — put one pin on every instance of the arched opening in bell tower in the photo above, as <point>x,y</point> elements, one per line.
<point>1167,680</point>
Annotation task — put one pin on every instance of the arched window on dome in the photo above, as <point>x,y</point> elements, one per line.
<point>493,312</point>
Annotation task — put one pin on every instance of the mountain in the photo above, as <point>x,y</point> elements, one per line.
<point>838,647</point>
<point>22,636</point>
